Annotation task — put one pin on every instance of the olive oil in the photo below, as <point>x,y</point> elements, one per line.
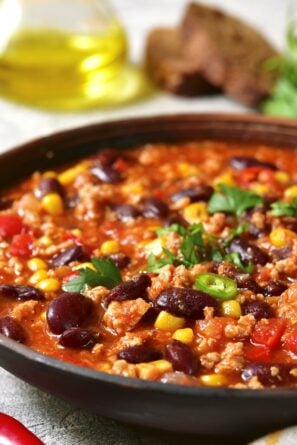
<point>56,69</point>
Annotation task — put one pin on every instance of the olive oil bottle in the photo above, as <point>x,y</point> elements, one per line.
<point>56,63</point>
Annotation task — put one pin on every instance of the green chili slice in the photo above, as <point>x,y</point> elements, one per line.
<point>222,288</point>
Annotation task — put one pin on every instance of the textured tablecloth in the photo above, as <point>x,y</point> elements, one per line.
<point>56,422</point>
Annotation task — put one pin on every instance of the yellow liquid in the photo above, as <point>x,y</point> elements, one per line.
<point>64,71</point>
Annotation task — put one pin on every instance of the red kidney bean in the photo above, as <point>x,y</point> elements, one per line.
<point>5,203</point>
<point>264,374</point>
<point>12,329</point>
<point>69,310</point>
<point>281,254</point>
<point>130,290</point>
<point>244,281</point>
<point>139,354</point>
<point>150,315</point>
<point>290,223</point>
<point>20,292</point>
<point>126,212</point>
<point>174,219</point>
<point>248,252</point>
<point>108,156</point>
<point>242,162</point>
<point>154,208</point>
<point>200,192</point>
<point>259,309</point>
<point>49,185</point>
<point>274,288</point>
<point>119,259</point>
<point>77,338</point>
<point>182,357</point>
<point>185,302</point>
<point>106,173</point>
<point>74,253</point>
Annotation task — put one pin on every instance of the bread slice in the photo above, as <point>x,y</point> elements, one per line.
<point>169,68</point>
<point>228,53</point>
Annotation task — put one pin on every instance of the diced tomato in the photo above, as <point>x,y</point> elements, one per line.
<point>21,245</point>
<point>159,194</point>
<point>120,165</point>
<point>68,277</point>
<point>252,174</point>
<point>257,353</point>
<point>268,332</point>
<point>10,225</point>
<point>291,340</point>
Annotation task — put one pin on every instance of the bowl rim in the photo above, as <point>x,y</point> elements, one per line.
<point>62,366</point>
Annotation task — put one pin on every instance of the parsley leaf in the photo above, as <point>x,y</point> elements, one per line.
<point>106,274</point>
<point>237,231</point>
<point>233,200</point>
<point>235,259</point>
<point>281,208</point>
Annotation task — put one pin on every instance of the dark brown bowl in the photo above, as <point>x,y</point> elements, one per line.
<point>213,411</point>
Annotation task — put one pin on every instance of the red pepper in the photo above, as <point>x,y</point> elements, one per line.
<point>268,332</point>
<point>12,432</point>
<point>291,340</point>
<point>21,245</point>
<point>251,174</point>
<point>10,225</point>
<point>257,353</point>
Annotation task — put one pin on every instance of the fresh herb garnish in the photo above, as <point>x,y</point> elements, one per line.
<point>233,200</point>
<point>237,231</point>
<point>281,208</point>
<point>107,274</point>
<point>235,259</point>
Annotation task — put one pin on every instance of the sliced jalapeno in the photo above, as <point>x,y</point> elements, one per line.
<point>222,288</point>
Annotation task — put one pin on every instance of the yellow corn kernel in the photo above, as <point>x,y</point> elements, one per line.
<point>109,246</point>
<point>186,169</point>
<point>49,285</point>
<point>231,308</point>
<point>69,175</point>
<point>43,316</point>
<point>76,232</point>
<point>282,177</point>
<point>153,370</point>
<point>213,379</point>
<point>39,275</point>
<point>52,204</point>
<point>49,174</point>
<point>185,335</point>
<point>280,237</point>
<point>45,241</point>
<point>155,247</point>
<point>85,266</point>
<point>293,372</point>
<point>196,212</point>
<point>36,264</point>
<point>226,179</point>
<point>133,189</point>
<point>291,192</point>
<point>260,189</point>
<point>168,322</point>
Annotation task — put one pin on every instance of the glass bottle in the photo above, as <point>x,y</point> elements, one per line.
<point>66,54</point>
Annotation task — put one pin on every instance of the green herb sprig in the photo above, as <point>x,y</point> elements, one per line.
<point>281,208</point>
<point>233,200</point>
<point>106,274</point>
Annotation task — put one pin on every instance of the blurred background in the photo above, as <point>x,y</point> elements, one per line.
<point>19,122</point>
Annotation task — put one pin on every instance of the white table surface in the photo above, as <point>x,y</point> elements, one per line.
<point>56,422</point>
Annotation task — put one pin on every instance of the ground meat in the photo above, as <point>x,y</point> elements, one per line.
<point>122,316</point>
<point>29,208</point>
<point>227,269</point>
<point>240,328</point>
<point>131,339</point>
<point>97,294</point>
<point>49,251</point>
<point>209,360</point>
<point>25,310</point>
<point>288,265</point>
<point>121,367</point>
<point>287,303</point>
<point>92,200</point>
<point>216,223</point>
<point>232,359</point>
<point>169,277</point>
<point>173,242</point>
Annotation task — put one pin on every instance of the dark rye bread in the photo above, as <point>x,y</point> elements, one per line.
<point>167,66</point>
<point>210,50</point>
<point>230,54</point>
